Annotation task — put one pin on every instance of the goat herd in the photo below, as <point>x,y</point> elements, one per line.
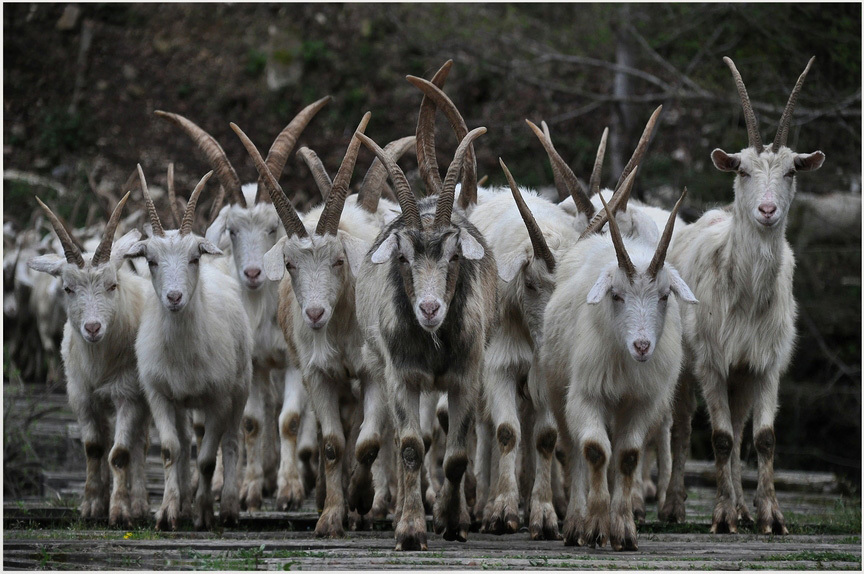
<point>543,353</point>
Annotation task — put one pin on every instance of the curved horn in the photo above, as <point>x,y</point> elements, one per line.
<point>444,209</point>
<point>560,184</point>
<point>214,153</point>
<point>594,182</point>
<point>783,129</point>
<point>103,252</point>
<point>216,206</point>
<point>70,250</point>
<point>151,209</point>
<point>541,249</point>
<point>660,255</point>
<point>620,251</point>
<point>617,203</point>
<point>566,175</point>
<point>172,196</point>
<point>641,147</point>
<point>460,128</point>
<point>319,172</point>
<point>189,215</point>
<point>290,220</point>
<point>483,181</point>
<point>329,220</point>
<point>277,157</point>
<point>753,138</point>
<point>373,184</point>
<point>403,190</point>
<point>426,156</point>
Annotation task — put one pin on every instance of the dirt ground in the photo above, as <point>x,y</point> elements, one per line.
<point>45,532</point>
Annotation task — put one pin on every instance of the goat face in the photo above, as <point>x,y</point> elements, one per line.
<point>90,292</point>
<point>529,286</point>
<point>426,262</point>
<point>316,264</point>
<point>174,262</point>
<point>765,181</point>
<point>253,232</point>
<point>637,309</point>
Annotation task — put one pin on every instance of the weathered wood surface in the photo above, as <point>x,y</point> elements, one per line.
<point>45,531</point>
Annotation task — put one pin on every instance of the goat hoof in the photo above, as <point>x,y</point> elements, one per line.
<point>411,534</point>
<point>229,513</point>
<point>725,519</point>
<point>361,492</point>
<point>770,519</point>
<point>330,523</point>
<point>596,531</point>
<point>505,515</point>
<point>290,494</point>
<point>622,532</point>
<point>543,524</point>
<point>93,507</point>
<point>744,518</point>
<point>168,515</point>
<point>673,511</point>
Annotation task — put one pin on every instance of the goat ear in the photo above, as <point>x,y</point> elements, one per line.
<point>602,286</point>
<point>122,246</point>
<point>385,250</point>
<point>148,230</point>
<point>508,268</point>
<point>471,248</point>
<point>136,250</point>
<point>51,263</point>
<point>725,162</point>
<point>217,228</point>
<point>207,248</point>
<point>809,161</point>
<point>355,250</point>
<point>274,263</point>
<point>679,287</point>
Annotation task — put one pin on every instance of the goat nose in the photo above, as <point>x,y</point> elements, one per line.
<point>641,346</point>
<point>767,209</point>
<point>174,296</point>
<point>315,313</point>
<point>429,308</point>
<point>93,327</point>
<point>252,272</point>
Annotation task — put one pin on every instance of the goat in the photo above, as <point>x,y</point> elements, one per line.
<point>194,350</point>
<point>251,227</point>
<point>104,303</point>
<point>740,340</point>
<point>426,295</point>
<point>612,347</point>
<point>323,326</point>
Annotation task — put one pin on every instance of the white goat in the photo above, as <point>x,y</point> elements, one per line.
<point>739,340</point>
<point>194,350</point>
<point>426,295</point>
<point>324,328</point>
<point>612,347</point>
<point>250,226</point>
<point>104,301</point>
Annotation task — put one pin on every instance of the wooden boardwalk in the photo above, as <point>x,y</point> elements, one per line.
<point>45,532</point>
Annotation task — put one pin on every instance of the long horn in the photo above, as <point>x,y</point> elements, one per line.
<point>216,206</point>
<point>189,215</point>
<point>616,204</point>
<point>172,196</point>
<point>620,252</point>
<point>403,190</point>
<point>444,209</point>
<point>103,252</point>
<point>329,220</point>
<point>70,250</point>
<point>783,129</point>
<point>468,195</point>
<point>319,172</point>
<point>376,178</point>
<point>290,220</point>
<point>660,254</point>
<point>641,147</point>
<point>574,188</point>
<point>541,249</point>
<point>594,182</point>
<point>753,138</point>
<point>560,184</point>
<point>284,143</point>
<point>151,209</point>
<point>214,153</point>
<point>426,155</point>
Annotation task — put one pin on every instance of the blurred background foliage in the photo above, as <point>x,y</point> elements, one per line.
<point>81,84</point>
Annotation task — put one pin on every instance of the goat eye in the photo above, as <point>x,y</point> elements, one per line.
<point>790,173</point>
<point>289,266</point>
<point>664,298</point>
<point>232,233</point>
<point>152,264</point>
<point>402,259</point>
<point>272,231</point>
<point>111,288</point>
<point>338,262</point>
<point>743,173</point>
<point>194,261</point>
<point>617,297</point>
<point>455,257</point>
<point>68,290</point>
